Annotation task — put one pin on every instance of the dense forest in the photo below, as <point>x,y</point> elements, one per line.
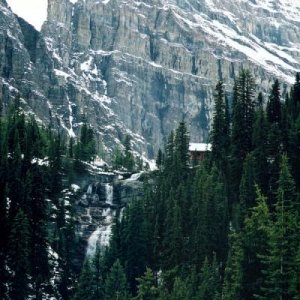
<point>227,227</point>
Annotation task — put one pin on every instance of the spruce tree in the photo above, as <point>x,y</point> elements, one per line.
<point>116,283</point>
<point>128,159</point>
<point>242,126</point>
<point>18,260</point>
<point>220,127</point>
<point>181,150</point>
<point>284,240</point>
<point>209,280</point>
<point>84,289</point>
<point>274,104</point>
<point>256,235</point>
<point>247,187</point>
<point>259,138</point>
<point>146,289</point>
<point>233,276</point>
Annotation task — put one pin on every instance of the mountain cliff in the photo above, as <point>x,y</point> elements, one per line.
<point>137,67</point>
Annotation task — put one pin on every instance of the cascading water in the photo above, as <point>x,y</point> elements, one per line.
<point>102,233</point>
<point>109,193</point>
<point>90,189</point>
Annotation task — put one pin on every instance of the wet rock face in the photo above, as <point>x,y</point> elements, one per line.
<point>139,67</point>
<point>102,199</point>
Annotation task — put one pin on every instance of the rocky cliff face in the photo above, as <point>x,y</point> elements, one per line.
<point>138,67</point>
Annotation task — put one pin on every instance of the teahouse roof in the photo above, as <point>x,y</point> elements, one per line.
<point>199,147</point>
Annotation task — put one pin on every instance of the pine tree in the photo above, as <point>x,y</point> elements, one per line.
<point>128,160</point>
<point>256,235</point>
<point>159,159</point>
<point>19,257</point>
<point>39,265</point>
<point>84,290</point>
<point>284,240</point>
<point>247,187</point>
<point>220,128</point>
<point>3,206</point>
<point>146,289</point>
<point>293,149</point>
<point>135,243</point>
<point>116,284</point>
<point>242,126</point>
<point>259,138</point>
<point>293,105</point>
<point>181,290</point>
<point>274,104</point>
<point>210,280</point>
<point>233,271</point>
<point>181,150</point>
<point>97,269</point>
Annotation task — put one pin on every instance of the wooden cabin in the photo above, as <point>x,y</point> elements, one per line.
<point>198,150</point>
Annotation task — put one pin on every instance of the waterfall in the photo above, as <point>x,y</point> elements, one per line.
<point>109,193</point>
<point>134,177</point>
<point>101,235</point>
<point>90,189</point>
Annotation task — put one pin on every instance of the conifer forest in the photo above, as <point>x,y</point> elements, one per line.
<point>226,227</point>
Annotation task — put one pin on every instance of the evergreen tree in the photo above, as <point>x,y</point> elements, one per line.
<point>85,148</point>
<point>256,236</point>
<point>220,128</point>
<point>135,243</point>
<point>284,240</point>
<point>274,104</point>
<point>181,150</point>
<point>210,280</point>
<point>259,138</point>
<point>242,126</point>
<point>247,187</point>
<point>233,271</point>
<point>293,149</point>
<point>159,159</point>
<point>98,276</point>
<point>84,290</point>
<point>128,160</point>
<point>3,206</point>
<point>39,266</point>
<point>181,290</point>
<point>293,105</point>
<point>146,289</point>
<point>19,257</point>
<point>116,284</point>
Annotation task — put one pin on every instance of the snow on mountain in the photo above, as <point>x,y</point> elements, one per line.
<point>137,67</point>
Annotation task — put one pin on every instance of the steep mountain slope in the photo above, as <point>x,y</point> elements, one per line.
<point>138,67</point>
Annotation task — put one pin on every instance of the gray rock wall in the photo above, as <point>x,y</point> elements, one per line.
<point>139,67</point>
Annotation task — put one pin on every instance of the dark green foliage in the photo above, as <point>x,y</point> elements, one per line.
<point>147,289</point>
<point>210,280</point>
<point>84,290</point>
<point>180,228</point>
<point>116,284</point>
<point>233,272</point>
<point>159,159</point>
<point>259,153</point>
<point>280,269</point>
<point>85,148</point>
<point>242,126</point>
<point>247,187</point>
<point>124,159</point>
<point>18,259</point>
<point>28,178</point>
<point>256,238</point>
<point>171,243</point>
<point>220,138</point>
<point>274,104</point>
